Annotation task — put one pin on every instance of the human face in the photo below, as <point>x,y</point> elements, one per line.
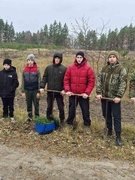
<point>57,60</point>
<point>30,62</point>
<point>112,59</point>
<point>6,66</point>
<point>79,59</point>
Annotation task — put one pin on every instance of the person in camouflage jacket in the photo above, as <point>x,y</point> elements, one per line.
<point>132,87</point>
<point>111,84</point>
<point>132,90</point>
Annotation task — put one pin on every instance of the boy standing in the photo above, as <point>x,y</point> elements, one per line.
<point>8,84</point>
<point>132,90</point>
<point>111,83</point>
<point>30,86</point>
<point>79,79</point>
<point>53,77</point>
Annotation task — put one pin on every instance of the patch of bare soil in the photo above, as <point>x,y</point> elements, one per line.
<point>19,164</point>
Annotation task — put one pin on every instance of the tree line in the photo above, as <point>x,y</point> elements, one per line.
<point>58,35</point>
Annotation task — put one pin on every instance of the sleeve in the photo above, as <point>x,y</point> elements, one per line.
<point>122,83</point>
<point>15,82</point>
<point>67,80</point>
<point>99,83</point>
<point>22,84</point>
<point>39,80</point>
<point>44,79</point>
<point>132,85</point>
<point>91,81</point>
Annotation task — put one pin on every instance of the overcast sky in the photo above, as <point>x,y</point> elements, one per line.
<point>32,15</point>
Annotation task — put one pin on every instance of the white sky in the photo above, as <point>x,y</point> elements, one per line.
<point>32,15</point>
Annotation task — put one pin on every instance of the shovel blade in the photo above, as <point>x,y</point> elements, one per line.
<point>105,133</point>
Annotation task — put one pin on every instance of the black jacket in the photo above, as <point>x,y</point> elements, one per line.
<point>8,82</point>
<point>53,77</point>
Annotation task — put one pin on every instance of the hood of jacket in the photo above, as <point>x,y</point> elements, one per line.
<point>11,69</point>
<point>59,55</point>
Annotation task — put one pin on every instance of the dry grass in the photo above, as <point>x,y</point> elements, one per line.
<point>65,141</point>
<point>69,142</point>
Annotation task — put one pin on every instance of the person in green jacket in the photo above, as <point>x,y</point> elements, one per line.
<point>53,76</point>
<point>132,90</point>
<point>111,84</point>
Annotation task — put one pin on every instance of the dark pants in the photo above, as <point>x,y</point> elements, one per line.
<point>32,99</point>
<point>8,107</point>
<point>112,111</point>
<point>50,101</point>
<point>84,104</point>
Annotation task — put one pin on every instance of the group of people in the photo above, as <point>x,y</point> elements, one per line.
<point>76,81</point>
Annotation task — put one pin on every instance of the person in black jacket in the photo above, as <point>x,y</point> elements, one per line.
<point>8,84</point>
<point>53,76</point>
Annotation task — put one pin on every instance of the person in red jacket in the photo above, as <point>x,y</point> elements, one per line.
<point>79,81</point>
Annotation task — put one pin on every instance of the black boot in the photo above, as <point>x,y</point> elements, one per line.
<point>118,139</point>
<point>133,141</point>
<point>62,121</point>
<point>109,132</point>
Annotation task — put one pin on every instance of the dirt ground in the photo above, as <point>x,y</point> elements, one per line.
<point>17,163</point>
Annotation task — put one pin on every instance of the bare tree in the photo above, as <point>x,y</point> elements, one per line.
<point>82,27</point>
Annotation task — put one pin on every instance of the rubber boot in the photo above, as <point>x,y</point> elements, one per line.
<point>118,139</point>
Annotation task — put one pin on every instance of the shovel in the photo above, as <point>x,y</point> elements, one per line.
<point>105,133</point>
<point>105,128</point>
<point>75,122</point>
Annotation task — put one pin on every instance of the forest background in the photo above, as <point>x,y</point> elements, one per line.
<point>56,35</point>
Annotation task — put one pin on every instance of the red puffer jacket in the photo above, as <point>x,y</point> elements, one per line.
<point>79,78</point>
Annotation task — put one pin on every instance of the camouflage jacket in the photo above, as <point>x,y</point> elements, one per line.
<point>112,81</point>
<point>132,86</point>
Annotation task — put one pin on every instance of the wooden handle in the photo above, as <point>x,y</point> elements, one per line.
<point>106,98</point>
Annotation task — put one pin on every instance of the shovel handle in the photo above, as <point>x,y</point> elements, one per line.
<point>106,98</point>
<point>48,90</point>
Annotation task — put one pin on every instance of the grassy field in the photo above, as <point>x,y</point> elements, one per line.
<point>65,141</point>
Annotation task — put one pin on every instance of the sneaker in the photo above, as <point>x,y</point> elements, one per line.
<point>29,119</point>
<point>12,119</point>
<point>4,117</point>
